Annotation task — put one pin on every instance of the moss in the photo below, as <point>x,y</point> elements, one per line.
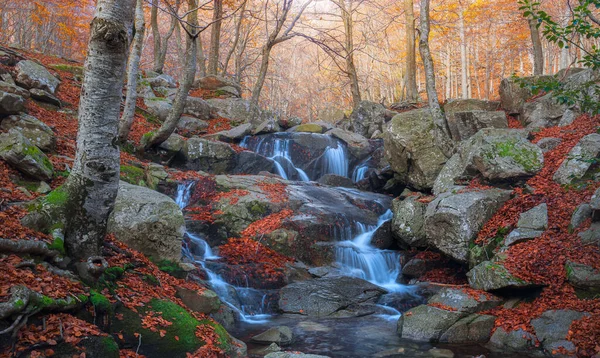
<point>151,279</point>
<point>100,302</point>
<point>132,175</point>
<point>58,244</point>
<point>37,155</point>
<point>114,273</point>
<point>223,340</point>
<point>19,304</point>
<point>76,70</point>
<point>56,197</point>
<point>184,325</point>
<point>170,267</point>
<point>258,208</point>
<point>525,157</point>
<point>110,346</point>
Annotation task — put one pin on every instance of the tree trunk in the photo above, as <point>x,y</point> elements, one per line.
<point>262,74</point>
<point>215,38</point>
<point>538,53</point>
<point>201,58</point>
<point>161,44</point>
<point>411,59</point>
<point>94,181</point>
<point>349,47</point>
<point>133,73</point>
<point>167,128</point>
<point>440,131</point>
<point>463,57</point>
<point>236,38</point>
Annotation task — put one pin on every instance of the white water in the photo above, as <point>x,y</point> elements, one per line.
<point>360,172</point>
<point>335,161</point>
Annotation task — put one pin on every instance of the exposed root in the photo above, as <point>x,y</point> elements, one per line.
<point>31,247</point>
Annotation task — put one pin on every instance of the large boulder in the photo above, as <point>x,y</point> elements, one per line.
<point>583,276</point>
<point>411,150</point>
<point>327,296</point>
<point>493,276</point>
<point>474,328</point>
<point>147,221</point>
<point>465,301</point>
<point>552,329</point>
<point>357,145</point>
<point>579,160</point>
<point>467,124</point>
<point>33,129</point>
<point>251,163</point>
<point>207,155</point>
<point>512,342</point>
<point>46,97</point>
<point>159,107</point>
<point>202,301</point>
<point>496,154</point>
<point>236,110</point>
<point>546,112</point>
<point>32,75</point>
<point>408,222</point>
<point>198,108</point>
<point>24,156</point>
<point>10,104</point>
<point>369,117</point>
<point>427,323</point>
<point>513,96</point>
<point>191,124</point>
<point>234,134</point>
<point>452,221</point>
<point>465,105</point>
<point>219,84</point>
<point>162,80</point>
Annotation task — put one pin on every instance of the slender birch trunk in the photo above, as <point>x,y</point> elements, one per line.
<point>411,60</point>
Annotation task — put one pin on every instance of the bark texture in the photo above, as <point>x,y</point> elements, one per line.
<point>410,76</point>
<point>538,53</point>
<point>93,183</point>
<point>215,38</point>
<point>161,44</point>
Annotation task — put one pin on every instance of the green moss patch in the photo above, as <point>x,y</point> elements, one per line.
<point>526,158</point>
<point>132,175</point>
<point>76,70</point>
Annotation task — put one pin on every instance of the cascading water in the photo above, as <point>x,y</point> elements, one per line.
<point>249,303</point>
<point>279,152</point>
<point>335,161</point>
<point>360,172</point>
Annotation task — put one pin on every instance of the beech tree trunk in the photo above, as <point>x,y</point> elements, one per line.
<point>463,57</point>
<point>94,181</point>
<point>236,38</point>
<point>349,46</point>
<point>133,73</point>
<point>410,77</point>
<point>538,52</point>
<point>161,44</point>
<point>167,128</point>
<point>215,38</point>
<point>440,130</point>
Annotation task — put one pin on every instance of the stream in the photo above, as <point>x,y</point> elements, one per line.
<point>368,336</point>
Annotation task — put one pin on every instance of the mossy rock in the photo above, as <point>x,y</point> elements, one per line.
<point>76,70</point>
<point>47,213</point>
<point>132,175</point>
<point>94,347</point>
<point>309,128</point>
<point>184,328</point>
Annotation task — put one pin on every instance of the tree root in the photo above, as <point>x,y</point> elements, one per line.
<point>32,247</point>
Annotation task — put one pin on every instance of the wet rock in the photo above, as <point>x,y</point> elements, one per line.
<point>357,145</point>
<point>147,221</point>
<point>336,181</point>
<point>162,80</point>
<point>579,160</point>
<point>32,75</point>
<point>307,128</point>
<point>472,115</point>
<point>440,353</point>
<point>206,155</point>
<point>293,355</point>
<point>198,108</point>
<point>552,329</point>
<point>237,110</point>
<point>408,221</point>
<point>159,107</point>
<point>325,296</point>
<point>280,335</point>
<point>252,163</point>
<point>493,276</point>
<point>191,124</point>
<point>580,215</point>
<point>517,341</point>
<point>452,221</point>
<point>205,301</point>
<point>33,129</point>
<point>225,316</point>
<point>416,268</point>
<point>548,144</point>
<point>463,301</point>
<point>474,328</point>
<point>263,351</point>
<point>382,238</point>
<point>426,323</point>
<point>411,150</point>
<point>24,156</point>
<point>43,96</point>
<point>369,117</point>
<point>583,276</point>
<point>534,219</point>
<point>10,104</point>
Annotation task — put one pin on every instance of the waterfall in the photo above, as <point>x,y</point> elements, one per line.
<point>279,151</point>
<point>335,161</point>
<point>241,299</point>
<point>359,259</point>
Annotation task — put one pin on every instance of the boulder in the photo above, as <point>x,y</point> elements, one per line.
<point>154,174</point>
<point>408,222</point>
<point>452,221</point>
<point>595,206</point>
<point>267,126</point>
<point>24,156</point>
<point>33,129</point>
<point>357,145</point>
<point>545,112</point>
<point>289,122</point>
<point>411,150</point>
<point>547,144</point>
<point>173,144</point>
<point>234,134</point>
<point>520,235</point>
<point>493,276</point>
<point>580,215</point>
<point>237,110</point>
<point>427,323</point>
<point>162,80</point>
<point>198,108</point>
<point>513,96</point>
<point>280,335</point>
<point>10,104</point>
<point>159,107</point>
<point>469,122</point>
<point>369,117</point>
<point>336,181</point>
<point>416,268</point>
<point>474,328</point>
<point>14,89</point>
<point>382,237</point>
<point>516,341</point>
<point>465,301</point>
<point>219,84</point>
<point>579,160</point>
<point>591,236</point>
<point>202,301</point>
<point>307,128</point>
<point>251,163</point>
<point>43,96</point>
<point>191,124</point>
<point>32,75</point>
<point>534,219</point>
<point>583,276</point>
<point>327,296</point>
<point>206,155</point>
<point>552,329</point>
<point>147,221</point>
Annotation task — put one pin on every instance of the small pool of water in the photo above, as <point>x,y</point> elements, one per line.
<point>371,336</point>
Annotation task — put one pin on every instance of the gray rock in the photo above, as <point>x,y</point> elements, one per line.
<point>162,80</point>
<point>368,117</point>
<point>155,173</point>
<point>204,301</point>
<point>14,89</point>
<point>308,128</point>
<point>543,112</point>
<point>293,355</point>
<point>166,92</point>
<point>32,75</point>
<point>159,107</point>
<point>415,268</point>
<point>411,150</point>
<point>236,110</point>
<point>336,181</point>
<point>469,123</point>
<point>591,236</point>
<point>210,156</point>
<point>326,296</point>
<point>579,160</point>
<point>24,156</point>
<point>10,104</point>
<point>513,96</point>
<point>492,276</point>
<point>192,124</point>
<point>534,219</point>
<point>463,301</point>
<point>520,235</point>
<point>219,83</point>
<point>252,163</point>
<point>267,126</point>
<point>583,276</point>
<point>198,108</point>
<point>382,238</point>
<point>234,134</point>
<point>289,122</point>
<point>173,144</point>
<point>466,105</point>
<point>552,327</point>
<point>517,341</point>
<point>580,215</point>
<point>426,323</point>
<point>147,221</point>
<point>595,205</point>
<point>357,145</point>
<point>43,96</point>
<point>408,221</point>
<point>474,328</point>
<point>452,221</point>
<point>547,144</point>
<point>33,129</point>
<point>280,335</point>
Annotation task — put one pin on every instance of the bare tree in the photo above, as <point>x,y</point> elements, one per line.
<point>133,73</point>
<point>161,43</point>
<point>94,181</point>
<point>347,8</point>
<point>538,52</point>
<point>215,38</point>
<point>410,76</point>
<point>236,36</point>
<point>463,55</point>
